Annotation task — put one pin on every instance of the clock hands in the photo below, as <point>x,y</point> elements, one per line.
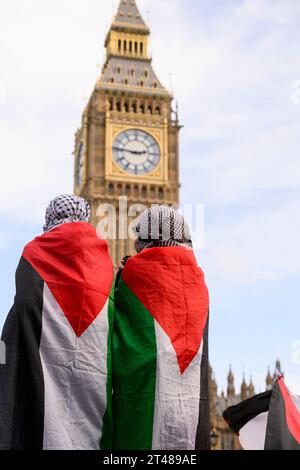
<point>133,152</point>
<point>144,152</point>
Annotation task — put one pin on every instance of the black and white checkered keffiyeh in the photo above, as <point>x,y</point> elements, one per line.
<point>66,209</point>
<point>161,226</point>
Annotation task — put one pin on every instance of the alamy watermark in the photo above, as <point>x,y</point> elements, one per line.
<point>2,353</point>
<point>117,223</point>
<point>295,95</point>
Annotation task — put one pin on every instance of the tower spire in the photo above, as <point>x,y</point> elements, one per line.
<point>129,17</point>
<point>244,389</point>
<point>230,383</point>
<point>128,35</point>
<point>128,62</point>
<point>251,388</point>
<point>269,380</point>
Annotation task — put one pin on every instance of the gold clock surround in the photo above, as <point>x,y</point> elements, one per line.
<point>113,172</point>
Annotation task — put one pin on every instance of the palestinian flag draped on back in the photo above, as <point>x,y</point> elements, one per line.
<point>268,421</point>
<point>160,353</point>
<point>56,385</point>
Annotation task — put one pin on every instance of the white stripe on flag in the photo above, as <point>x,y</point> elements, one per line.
<point>177,398</point>
<point>75,377</point>
<point>252,436</point>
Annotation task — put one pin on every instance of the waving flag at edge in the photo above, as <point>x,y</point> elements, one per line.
<point>268,421</point>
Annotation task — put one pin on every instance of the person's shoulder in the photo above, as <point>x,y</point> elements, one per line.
<point>121,265</point>
<point>31,245</point>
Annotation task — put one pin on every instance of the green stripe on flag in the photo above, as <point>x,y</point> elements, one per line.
<point>134,373</point>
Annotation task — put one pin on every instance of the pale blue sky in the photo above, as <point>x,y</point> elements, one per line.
<point>233,65</point>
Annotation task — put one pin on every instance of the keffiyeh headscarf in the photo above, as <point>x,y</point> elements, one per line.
<point>161,226</point>
<point>66,209</point>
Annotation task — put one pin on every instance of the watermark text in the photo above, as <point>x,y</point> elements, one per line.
<point>118,223</point>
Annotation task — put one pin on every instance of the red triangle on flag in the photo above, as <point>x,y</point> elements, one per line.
<point>168,282</point>
<point>292,414</point>
<point>75,265</point>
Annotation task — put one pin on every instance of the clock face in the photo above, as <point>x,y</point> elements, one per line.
<point>80,166</point>
<point>136,152</point>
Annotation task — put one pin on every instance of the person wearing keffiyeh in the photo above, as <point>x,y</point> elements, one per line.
<point>65,209</point>
<point>157,227</point>
<point>161,226</point>
<point>55,387</point>
<point>160,308</point>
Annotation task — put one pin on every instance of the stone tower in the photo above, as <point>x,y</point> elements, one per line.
<point>128,141</point>
<point>230,384</point>
<point>244,390</point>
<point>251,388</point>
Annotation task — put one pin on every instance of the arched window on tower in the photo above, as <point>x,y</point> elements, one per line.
<point>126,106</point>
<point>119,190</point>
<point>119,106</point>
<point>141,48</point>
<point>111,105</point>
<point>136,47</point>
<point>142,108</point>
<point>110,189</point>
<point>152,192</point>
<point>119,45</point>
<point>160,194</point>
<point>144,192</point>
<point>136,191</point>
<point>149,109</point>
<point>130,47</point>
<point>125,46</point>
<point>134,107</point>
<point>157,110</point>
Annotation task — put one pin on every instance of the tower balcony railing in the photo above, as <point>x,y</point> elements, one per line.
<point>132,54</point>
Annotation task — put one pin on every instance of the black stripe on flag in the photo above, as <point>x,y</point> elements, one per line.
<point>278,435</point>
<point>239,415</point>
<point>203,431</point>
<point>21,378</point>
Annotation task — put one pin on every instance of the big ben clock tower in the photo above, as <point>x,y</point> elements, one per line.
<point>128,143</point>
